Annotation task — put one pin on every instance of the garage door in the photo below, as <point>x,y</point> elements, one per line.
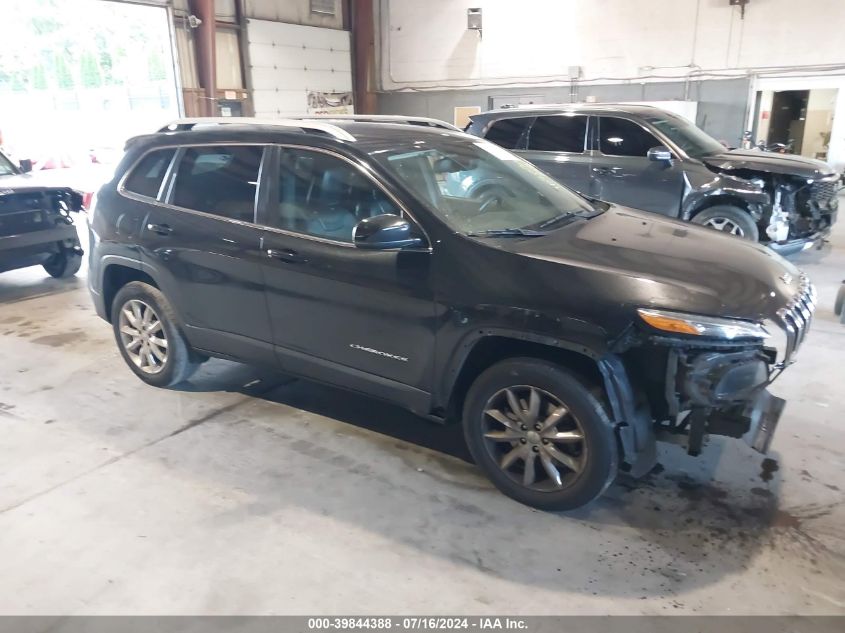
<point>78,78</point>
<point>289,61</point>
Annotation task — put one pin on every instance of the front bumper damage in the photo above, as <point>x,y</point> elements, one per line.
<point>725,391</point>
<point>720,393</point>
<point>802,215</point>
<point>682,389</point>
<point>763,413</point>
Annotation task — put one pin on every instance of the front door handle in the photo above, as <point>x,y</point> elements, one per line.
<point>606,171</point>
<point>285,255</point>
<point>160,229</point>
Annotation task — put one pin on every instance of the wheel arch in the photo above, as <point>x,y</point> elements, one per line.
<point>115,276</point>
<point>719,200</point>
<point>487,349</point>
<point>602,371</point>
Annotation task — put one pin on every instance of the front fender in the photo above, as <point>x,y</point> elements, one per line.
<point>591,347</point>
<point>634,425</point>
<point>702,189</point>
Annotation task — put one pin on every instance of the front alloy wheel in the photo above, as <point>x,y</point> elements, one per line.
<point>725,225</point>
<point>143,337</point>
<point>534,438</point>
<point>728,219</point>
<point>540,434</point>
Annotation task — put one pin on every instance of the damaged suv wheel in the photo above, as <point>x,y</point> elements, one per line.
<point>63,265</point>
<point>729,219</point>
<point>539,434</point>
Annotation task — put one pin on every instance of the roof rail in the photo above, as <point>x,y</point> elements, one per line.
<point>183,125</point>
<point>382,118</point>
<point>581,104</point>
<point>551,106</point>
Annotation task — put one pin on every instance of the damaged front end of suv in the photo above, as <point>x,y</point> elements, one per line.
<point>793,200</point>
<point>36,223</point>
<point>697,376</point>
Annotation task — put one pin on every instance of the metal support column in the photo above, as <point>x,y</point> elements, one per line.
<point>206,55</point>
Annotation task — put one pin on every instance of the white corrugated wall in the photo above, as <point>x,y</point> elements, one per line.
<point>288,60</point>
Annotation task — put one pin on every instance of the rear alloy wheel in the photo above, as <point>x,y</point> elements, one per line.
<point>539,434</point>
<point>839,303</point>
<point>729,219</point>
<point>148,336</point>
<point>142,335</point>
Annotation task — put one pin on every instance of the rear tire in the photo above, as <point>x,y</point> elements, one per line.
<point>149,338</point>
<point>839,303</point>
<point>63,265</point>
<point>729,219</point>
<point>558,452</point>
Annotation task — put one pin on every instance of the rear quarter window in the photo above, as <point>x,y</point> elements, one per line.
<point>508,133</point>
<point>145,178</point>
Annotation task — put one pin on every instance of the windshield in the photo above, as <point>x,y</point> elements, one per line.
<point>478,187</point>
<point>7,168</point>
<point>683,133</point>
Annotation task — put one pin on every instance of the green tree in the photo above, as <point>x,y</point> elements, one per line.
<point>38,78</point>
<point>64,78</point>
<point>156,70</point>
<point>89,71</point>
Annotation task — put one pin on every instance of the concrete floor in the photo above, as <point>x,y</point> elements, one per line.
<point>252,493</point>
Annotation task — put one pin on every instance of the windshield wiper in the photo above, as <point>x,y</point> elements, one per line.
<point>558,218</point>
<point>517,232</point>
<point>506,233</point>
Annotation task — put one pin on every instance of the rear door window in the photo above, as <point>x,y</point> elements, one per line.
<point>508,132</point>
<point>558,133</point>
<point>221,180</point>
<point>146,177</point>
<point>621,137</point>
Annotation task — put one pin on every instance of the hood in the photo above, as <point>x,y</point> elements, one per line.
<point>772,162</point>
<point>17,181</point>
<point>636,258</point>
<point>31,182</point>
<point>27,184</point>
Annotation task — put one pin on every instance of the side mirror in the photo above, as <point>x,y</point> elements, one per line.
<point>384,232</point>
<point>26,165</point>
<point>660,154</point>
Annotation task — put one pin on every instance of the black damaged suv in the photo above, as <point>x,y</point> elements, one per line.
<point>568,336</point>
<point>650,159</point>
<point>36,226</point>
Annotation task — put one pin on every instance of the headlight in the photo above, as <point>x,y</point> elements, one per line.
<point>696,325</point>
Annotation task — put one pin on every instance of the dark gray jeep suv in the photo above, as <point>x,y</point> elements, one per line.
<point>566,335</point>
<point>650,159</point>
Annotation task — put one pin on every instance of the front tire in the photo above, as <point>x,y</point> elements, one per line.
<point>729,219</point>
<point>148,336</point>
<point>63,265</point>
<point>539,434</point>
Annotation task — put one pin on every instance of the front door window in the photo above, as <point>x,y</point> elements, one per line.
<point>621,137</point>
<point>324,196</point>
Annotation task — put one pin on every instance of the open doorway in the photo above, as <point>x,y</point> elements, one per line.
<point>78,78</point>
<point>789,112</point>
<point>796,121</point>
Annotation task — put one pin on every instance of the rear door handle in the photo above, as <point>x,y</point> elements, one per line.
<point>160,229</point>
<point>285,255</point>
